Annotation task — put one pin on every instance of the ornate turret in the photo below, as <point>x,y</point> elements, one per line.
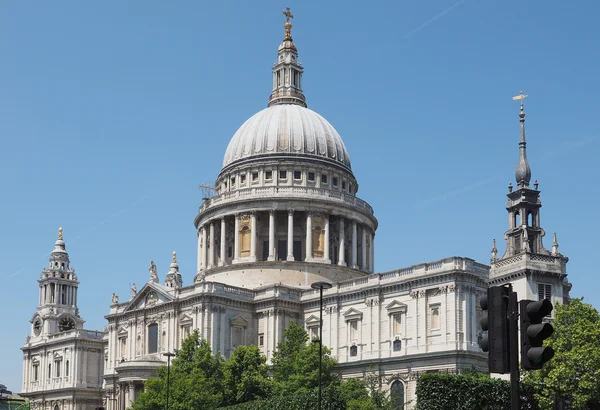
<point>534,271</point>
<point>287,71</point>
<point>173,278</point>
<point>57,309</point>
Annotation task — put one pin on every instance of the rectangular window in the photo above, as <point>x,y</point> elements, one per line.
<point>35,372</point>
<point>353,329</point>
<point>185,332</point>
<point>283,174</point>
<point>311,176</point>
<point>261,340</point>
<point>344,185</point>
<point>232,184</point>
<point>123,346</point>
<point>67,369</point>
<point>237,336</point>
<point>153,338</point>
<point>242,178</point>
<point>57,365</point>
<point>323,178</point>
<point>49,371</point>
<point>297,175</point>
<point>434,317</point>
<point>268,175</point>
<point>396,324</point>
<point>335,181</point>
<point>544,291</point>
<point>313,331</point>
<point>254,176</point>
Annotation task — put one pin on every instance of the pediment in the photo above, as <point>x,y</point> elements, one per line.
<point>185,319</point>
<point>312,320</point>
<point>396,307</point>
<point>239,320</point>
<point>353,314</point>
<point>122,331</point>
<point>150,295</point>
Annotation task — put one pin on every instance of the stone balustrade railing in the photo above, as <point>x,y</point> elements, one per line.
<point>286,192</point>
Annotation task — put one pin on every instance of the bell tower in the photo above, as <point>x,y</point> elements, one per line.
<point>57,305</point>
<point>535,272</point>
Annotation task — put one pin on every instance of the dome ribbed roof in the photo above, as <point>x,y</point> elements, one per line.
<point>287,129</point>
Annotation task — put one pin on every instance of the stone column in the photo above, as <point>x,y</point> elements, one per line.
<point>271,235</point>
<point>364,248</point>
<point>372,252</point>
<point>309,247</point>
<point>222,250</point>
<point>199,264</point>
<point>290,237</point>
<point>236,238</point>
<point>326,245</point>
<point>253,236</point>
<point>211,246</point>
<point>342,249</point>
<point>203,258</point>
<point>354,247</point>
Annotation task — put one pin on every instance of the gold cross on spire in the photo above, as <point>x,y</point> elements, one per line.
<point>288,14</point>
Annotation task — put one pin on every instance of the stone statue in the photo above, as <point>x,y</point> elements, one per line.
<point>115,299</point>
<point>133,291</point>
<point>153,273</point>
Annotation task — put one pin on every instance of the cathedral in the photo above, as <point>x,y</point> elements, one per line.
<point>285,214</point>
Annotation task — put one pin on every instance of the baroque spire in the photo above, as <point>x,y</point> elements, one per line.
<point>522,172</point>
<point>287,70</point>
<point>173,279</point>
<point>59,255</point>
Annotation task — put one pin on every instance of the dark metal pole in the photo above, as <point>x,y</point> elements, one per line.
<point>513,330</point>
<point>168,378</point>
<point>320,342</point>
<point>169,355</point>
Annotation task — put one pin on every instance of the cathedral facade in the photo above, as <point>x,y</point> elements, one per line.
<point>285,214</point>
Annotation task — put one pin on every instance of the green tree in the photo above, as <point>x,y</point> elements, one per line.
<point>296,363</point>
<point>196,380</point>
<point>574,372</point>
<point>246,376</point>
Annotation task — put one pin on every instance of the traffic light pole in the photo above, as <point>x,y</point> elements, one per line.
<point>513,329</point>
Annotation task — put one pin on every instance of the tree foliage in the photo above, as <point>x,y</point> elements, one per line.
<point>574,372</point>
<point>202,380</point>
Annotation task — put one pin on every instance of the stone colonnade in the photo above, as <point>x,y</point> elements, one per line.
<point>291,236</point>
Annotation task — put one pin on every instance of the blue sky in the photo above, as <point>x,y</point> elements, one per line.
<point>112,113</point>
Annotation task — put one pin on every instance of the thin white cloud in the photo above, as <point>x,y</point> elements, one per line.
<point>450,194</point>
<point>434,18</point>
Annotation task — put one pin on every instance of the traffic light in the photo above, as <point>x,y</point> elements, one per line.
<point>496,341</point>
<point>534,332</point>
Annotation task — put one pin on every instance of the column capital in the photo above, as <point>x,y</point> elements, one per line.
<point>271,212</point>
<point>290,211</point>
<point>222,218</point>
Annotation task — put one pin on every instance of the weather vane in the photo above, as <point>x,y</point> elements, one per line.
<point>520,97</point>
<point>288,14</point>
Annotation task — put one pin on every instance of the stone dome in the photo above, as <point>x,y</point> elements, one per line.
<point>284,130</point>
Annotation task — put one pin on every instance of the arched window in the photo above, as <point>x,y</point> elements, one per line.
<point>56,407</point>
<point>529,218</point>
<point>353,351</point>
<point>153,338</point>
<point>517,219</point>
<point>397,345</point>
<point>397,395</point>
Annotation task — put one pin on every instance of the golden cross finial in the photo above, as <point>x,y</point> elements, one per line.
<point>288,14</point>
<point>60,236</point>
<point>174,260</point>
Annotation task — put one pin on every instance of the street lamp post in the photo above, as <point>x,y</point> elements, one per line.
<point>169,355</point>
<point>321,286</point>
